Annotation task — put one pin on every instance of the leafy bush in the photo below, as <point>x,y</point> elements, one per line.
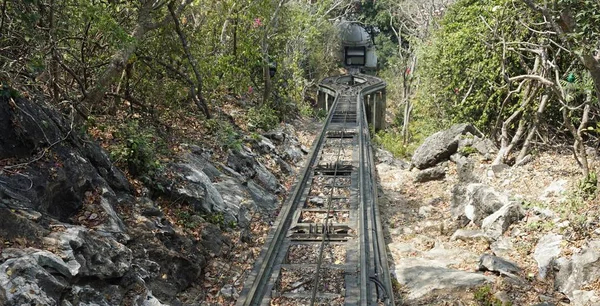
<point>485,297</point>
<point>588,186</point>
<point>229,138</point>
<point>262,117</point>
<point>225,133</point>
<point>467,150</point>
<point>392,141</point>
<point>137,149</point>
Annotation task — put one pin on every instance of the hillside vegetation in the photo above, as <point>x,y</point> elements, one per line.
<point>524,72</point>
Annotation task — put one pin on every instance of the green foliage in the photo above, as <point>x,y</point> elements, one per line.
<point>587,188</point>
<point>485,297</point>
<point>392,141</point>
<point>8,92</point>
<point>137,149</point>
<point>225,133</point>
<point>461,65</point>
<point>185,219</point>
<point>583,17</point>
<point>218,218</point>
<point>262,117</point>
<point>229,138</point>
<point>467,150</point>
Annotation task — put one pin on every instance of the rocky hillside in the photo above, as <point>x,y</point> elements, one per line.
<point>462,231</point>
<point>76,231</point>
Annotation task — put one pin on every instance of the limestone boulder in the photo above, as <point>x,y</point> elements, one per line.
<point>441,145</point>
<point>582,270</point>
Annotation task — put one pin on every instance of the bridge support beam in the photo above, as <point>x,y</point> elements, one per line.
<point>375,104</point>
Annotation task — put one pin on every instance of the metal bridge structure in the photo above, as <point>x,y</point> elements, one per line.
<point>327,245</point>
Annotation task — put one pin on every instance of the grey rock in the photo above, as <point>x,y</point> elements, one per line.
<point>502,247</point>
<point>544,212</point>
<point>425,211</point>
<point>228,291</point>
<point>246,235</point>
<point>583,269</point>
<point>475,202</point>
<point>464,168</point>
<point>384,156</point>
<point>266,178</point>
<point>151,300</point>
<point>503,297</point>
<point>457,205</point>
<point>545,304</point>
<point>242,161</point>
<point>585,298</point>
<point>441,145</point>
<point>264,145</point>
<point>402,248</point>
<point>236,198</point>
<point>88,254</point>
<point>24,282</point>
<point>493,263</point>
<point>88,296</point>
<point>497,223</point>
<point>464,142</point>
<point>277,135</point>
<point>264,200</point>
<point>430,174</point>
<point>244,216</point>
<point>213,239</point>
<point>499,168</point>
<point>196,188</point>
<point>211,171</point>
<point>546,250</point>
<point>470,235</point>
<point>284,166</point>
<point>78,165</point>
<point>484,146</point>
<point>423,277</point>
<point>292,153</point>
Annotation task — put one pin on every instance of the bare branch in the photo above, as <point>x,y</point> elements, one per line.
<point>532,77</point>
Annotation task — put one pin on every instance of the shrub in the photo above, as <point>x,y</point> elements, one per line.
<point>137,149</point>
<point>262,117</point>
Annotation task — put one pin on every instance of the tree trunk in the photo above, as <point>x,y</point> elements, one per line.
<point>593,66</point>
<point>119,60</point>
<point>533,129</point>
<point>578,145</point>
<point>506,146</point>
<point>265,52</point>
<point>196,93</point>
<point>53,62</point>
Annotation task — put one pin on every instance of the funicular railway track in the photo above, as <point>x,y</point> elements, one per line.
<point>327,246</point>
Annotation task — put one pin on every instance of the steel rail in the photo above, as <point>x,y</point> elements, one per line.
<point>326,231</point>
<point>276,239</point>
<point>366,274</point>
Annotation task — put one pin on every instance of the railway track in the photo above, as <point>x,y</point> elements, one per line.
<point>327,246</point>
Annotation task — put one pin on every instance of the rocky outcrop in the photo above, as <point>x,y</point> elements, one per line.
<point>475,202</point>
<point>497,223</point>
<point>244,162</point>
<point>546,251</point>
<point>426,277</point>
<point>493,263</point>
<point>59,174</point>
<point>441,145</point>
<point>79,235</point>
<point>431,174</point>
<point>582,270</point>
